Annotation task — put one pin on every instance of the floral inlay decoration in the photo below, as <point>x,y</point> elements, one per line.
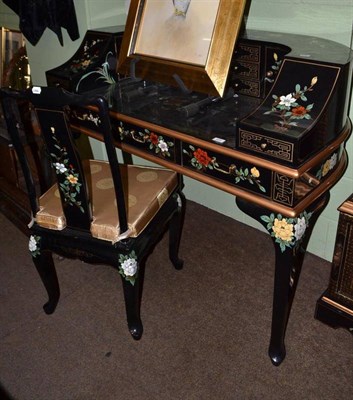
<point>200,160</point>
<point>179,201</point>
<point>275,67</point>
<point>327,166</point>
<point>91,52</point>
<point>33,245</point>
<point>87,117</point>
<point>70,186</point>
<point>288,232</point>
<point>288,108</point>
<point>155,142</point>
<point>277,63</point>
<point>128,267</point>
<point>102,72</point>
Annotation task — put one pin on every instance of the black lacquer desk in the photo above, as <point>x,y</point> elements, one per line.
<point>275,141</point>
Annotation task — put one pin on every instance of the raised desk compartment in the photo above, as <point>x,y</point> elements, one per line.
<point>92,65</point>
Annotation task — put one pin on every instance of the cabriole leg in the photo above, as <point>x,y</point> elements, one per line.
<point>175,230</point>
<point>45,266</point>
<point>132,297</point>
<point>290,237</point>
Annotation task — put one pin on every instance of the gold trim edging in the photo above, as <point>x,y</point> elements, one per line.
<point>236,191</point>
<point>347,208</point>
<point>337,305</point>
<point>260,162</point>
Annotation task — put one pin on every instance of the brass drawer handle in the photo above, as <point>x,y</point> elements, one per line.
<point>137,137</point>
<point>230,171</point>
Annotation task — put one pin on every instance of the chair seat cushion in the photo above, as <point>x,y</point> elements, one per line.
<point>146,189</point>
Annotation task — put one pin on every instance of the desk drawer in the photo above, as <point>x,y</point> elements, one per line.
<point>274,148</point>
<point>227,169</point>
<point>152,142</point>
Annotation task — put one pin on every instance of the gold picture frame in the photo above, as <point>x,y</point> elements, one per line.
<point>164,41</point>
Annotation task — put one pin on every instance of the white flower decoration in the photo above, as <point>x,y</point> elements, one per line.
<point>179,201</point>
<point>129,267</point>
<point>288,232</point>
<point>32,245</point>
<point>60,167</point>
<point>163,146</point>
<point>333,160</point>
<point>287,100</point>
<point>299,228</point>
<point>92,118</point>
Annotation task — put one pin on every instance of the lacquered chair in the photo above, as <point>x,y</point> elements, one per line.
<point>97,211</point>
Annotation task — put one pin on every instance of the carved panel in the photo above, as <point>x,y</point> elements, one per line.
<point>283,189</point>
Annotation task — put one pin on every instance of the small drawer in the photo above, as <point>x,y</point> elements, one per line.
<point>227,169</point>
<point>157,144</point>
<point>275,148</point>
<point>244,52</point>
<point>246,69</point>
<point>246,86</point>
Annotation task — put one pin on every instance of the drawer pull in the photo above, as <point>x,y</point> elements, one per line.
<point>137,137</point>
<point>231,169</point>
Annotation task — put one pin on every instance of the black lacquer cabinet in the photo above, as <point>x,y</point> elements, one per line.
<point>335,306</point>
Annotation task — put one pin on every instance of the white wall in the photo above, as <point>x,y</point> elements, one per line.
<point>322,18</point>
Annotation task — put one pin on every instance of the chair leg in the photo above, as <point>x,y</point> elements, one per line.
<point>175,230</point>
<point>132,297</point>
<point>46,269</point>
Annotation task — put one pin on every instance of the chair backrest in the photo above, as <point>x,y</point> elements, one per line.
<point>52,106</point>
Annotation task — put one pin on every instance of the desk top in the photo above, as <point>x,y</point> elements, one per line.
<point>276,137</point>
